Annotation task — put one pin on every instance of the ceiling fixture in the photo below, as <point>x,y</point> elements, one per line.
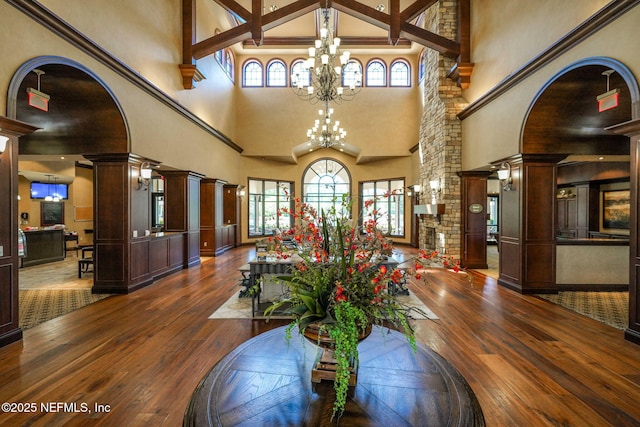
<point>37,99</point>
<point>326,132</point>
<point>321,77</point>
<point>609,99</point>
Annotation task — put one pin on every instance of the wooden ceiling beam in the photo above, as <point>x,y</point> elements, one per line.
<point>415,9</point>
<point>431,40</point>
<point>289,12</point>
<point>256,22</point>
<point>220,41</point>
<point>235,8</point>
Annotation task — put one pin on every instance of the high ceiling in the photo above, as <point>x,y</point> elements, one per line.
<point>362,25</point>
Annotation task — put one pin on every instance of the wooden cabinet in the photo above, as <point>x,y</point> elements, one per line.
<point>567,218</point>
<point>577,215</point>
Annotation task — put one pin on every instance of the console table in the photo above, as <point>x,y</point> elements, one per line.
<point>267,381</point>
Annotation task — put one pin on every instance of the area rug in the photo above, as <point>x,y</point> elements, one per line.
<point>611,308</point>
<point>240,308</point>
<point>40,305</point>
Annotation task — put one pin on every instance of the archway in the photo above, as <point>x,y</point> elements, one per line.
<point>82,117</point>
<point>564,121</point>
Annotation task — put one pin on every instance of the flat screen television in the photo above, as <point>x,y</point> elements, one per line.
<point>40,190</point>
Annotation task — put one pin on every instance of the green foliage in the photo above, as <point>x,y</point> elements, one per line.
<point>341,280</point>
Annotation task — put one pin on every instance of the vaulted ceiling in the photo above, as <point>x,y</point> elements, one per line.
<point>367,25</point>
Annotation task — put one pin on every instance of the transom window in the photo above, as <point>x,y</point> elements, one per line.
<point>388,197</point>
<point>252,74</point>
<point>266,199</point>
<point>276,74</point>
<point>324,182</point>
<point>400,75</point>
<point>376,73</point>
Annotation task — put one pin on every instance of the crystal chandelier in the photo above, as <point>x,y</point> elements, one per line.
<point>320,77</point>
<point>326,132</point>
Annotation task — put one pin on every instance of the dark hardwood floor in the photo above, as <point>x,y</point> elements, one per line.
<point>140,356</point>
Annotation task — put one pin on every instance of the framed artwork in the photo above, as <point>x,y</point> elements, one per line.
<point>616,209</point>
<point>51,213</point>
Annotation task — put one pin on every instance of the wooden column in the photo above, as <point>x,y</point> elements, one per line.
<point>9,262</point>
<point>527,225</point>
<point>632,130</point>
<point>122,214</point>
<point>182,209</point>
<point>474,219</point>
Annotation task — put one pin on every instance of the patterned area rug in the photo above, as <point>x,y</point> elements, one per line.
<point>40,305</point>
<point>611,308</point>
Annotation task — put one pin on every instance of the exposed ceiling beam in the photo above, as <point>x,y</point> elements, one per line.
<point>396,22</point>
<point>257,22</point>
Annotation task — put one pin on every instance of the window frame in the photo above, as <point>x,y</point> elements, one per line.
<point>281,200</point>
<point>384,72</point>
<point>408,73</point>
<point>248,62</point>
<point>400,211</point>
<point>270,64</point>
<point>336,197</point>
<point>343,74</point>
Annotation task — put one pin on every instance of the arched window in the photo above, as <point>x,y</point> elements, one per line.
<point>323,184</point>
<point>276,73</point>
<point>229,64</point>
<point>400,75</point>
<point>376,73</point>
<point>352,74</point>
<point>300,73</point>
<point>422,65</point>
<point>252,73</point>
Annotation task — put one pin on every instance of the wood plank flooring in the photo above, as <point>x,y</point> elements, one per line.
<point>529,362</point>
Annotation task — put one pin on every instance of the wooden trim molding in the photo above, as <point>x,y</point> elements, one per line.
<point>61,28</point>
<point>602,18</point>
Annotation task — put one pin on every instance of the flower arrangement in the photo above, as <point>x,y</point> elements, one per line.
<point>344,281</point>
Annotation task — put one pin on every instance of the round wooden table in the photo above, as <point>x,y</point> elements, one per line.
<point>267,382</point>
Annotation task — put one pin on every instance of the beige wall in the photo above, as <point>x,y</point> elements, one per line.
<point>399,168</point>
<point>493,132</point>
<point>379,121</point>
<point>506,35</point>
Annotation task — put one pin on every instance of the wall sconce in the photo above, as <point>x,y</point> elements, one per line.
<point>504,175</point>
<point>241,192</point>
<point>4,140</point>
<point>435,185</point>
<point>409,193</point>
<point>417,188</point>
<point>145,175</point>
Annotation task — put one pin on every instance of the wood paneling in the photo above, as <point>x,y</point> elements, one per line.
<point>9,322</point>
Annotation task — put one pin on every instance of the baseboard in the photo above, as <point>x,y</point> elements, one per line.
<point>10,337</point>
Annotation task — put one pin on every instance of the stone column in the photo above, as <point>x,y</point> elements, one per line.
<point>440,135</point>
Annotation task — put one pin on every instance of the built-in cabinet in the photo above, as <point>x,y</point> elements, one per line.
<point>577,211</point>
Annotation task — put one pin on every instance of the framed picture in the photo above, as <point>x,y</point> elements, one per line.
<point>616,209</point>
<point>51,213</point>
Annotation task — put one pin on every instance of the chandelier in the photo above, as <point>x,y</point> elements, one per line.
<point>320,78</point>
<point>326,132</point>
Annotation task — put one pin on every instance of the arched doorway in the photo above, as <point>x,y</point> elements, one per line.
<point>82,117</point>
<point>565,122</point>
